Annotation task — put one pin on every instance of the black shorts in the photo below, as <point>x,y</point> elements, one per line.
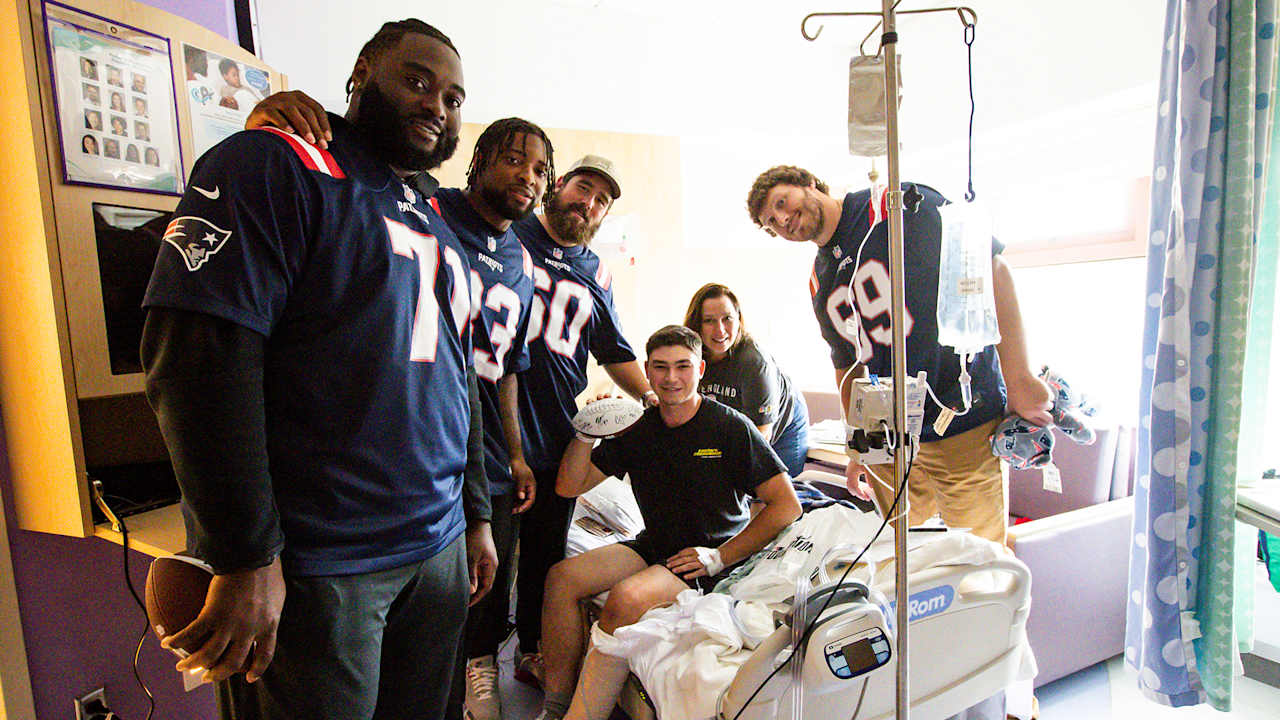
<point>652,555</point>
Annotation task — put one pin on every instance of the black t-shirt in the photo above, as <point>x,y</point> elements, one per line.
<point>692,481</point>
<point>748,380</point>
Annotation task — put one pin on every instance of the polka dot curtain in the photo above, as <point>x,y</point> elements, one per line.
<point>1190,585</point>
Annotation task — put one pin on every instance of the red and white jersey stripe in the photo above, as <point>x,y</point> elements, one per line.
<point>528,261</point>
<point>603,277</point>
<point>314,158</point>
<point>878,204</point>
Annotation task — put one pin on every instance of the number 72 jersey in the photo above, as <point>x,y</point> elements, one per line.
<point>573,315</point>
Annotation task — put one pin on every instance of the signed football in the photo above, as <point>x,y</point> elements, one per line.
<point>175,592</point>
<point>608,417</point>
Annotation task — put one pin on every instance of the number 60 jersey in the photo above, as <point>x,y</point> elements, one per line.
<point>852,305</point>
<point>573,313</point>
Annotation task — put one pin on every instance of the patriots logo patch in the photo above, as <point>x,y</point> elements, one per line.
<point>196,238</point>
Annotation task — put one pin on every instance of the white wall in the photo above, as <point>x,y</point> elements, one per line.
<point>1065,96</point>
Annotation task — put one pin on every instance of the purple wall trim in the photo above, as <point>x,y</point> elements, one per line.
<point>216,15</point>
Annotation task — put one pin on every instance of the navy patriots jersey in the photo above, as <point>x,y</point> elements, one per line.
<point>361,291</point>
<point>833,268</point>
<point>573,313</point>
<point>501,301</point>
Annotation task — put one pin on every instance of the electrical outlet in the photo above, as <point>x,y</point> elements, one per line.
<point>92,705</point>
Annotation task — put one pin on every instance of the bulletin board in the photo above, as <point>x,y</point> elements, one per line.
<point>125,62</point>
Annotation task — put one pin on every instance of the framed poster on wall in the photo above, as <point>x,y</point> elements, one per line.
<point>220,94</point>
<point>114,98</point>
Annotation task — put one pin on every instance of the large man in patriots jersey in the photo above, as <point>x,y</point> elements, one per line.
<point>307,354</point>
<point>510,168</point>
<point>954,472</point>
<point>573,314</point>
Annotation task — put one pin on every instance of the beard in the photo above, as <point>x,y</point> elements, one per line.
<point>388,132</point>
<point>505,205</point>
<point>814,209</point>
<point>567,223</point>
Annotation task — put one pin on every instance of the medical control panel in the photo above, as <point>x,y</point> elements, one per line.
<point>870,417</point>
<point>856,654</point>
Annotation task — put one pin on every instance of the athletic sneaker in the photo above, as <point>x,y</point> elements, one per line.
<point>482,701</point>
<point>530,669</point>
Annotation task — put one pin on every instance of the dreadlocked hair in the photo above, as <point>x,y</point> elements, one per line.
<point>390,33</point>
<point>779,175</point>
<point>499,136</point>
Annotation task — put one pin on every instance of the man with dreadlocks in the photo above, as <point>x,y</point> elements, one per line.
<point>308,355</point>
<point>510,170</point>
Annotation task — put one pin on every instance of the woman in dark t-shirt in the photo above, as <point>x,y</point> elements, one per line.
<point>743,376</point>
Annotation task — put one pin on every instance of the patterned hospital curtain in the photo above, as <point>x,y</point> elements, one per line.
<point>1185,615</point>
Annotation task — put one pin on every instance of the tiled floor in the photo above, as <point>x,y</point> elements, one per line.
<point>1110,689</point>
<point>519,701</point>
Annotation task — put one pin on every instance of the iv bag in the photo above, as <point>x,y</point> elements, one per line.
<point>966,298</point>
<point>867,133</point>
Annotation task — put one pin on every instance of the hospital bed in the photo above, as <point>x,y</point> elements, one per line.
<point>967,641</point>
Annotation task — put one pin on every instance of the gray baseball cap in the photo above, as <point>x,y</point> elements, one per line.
<point>603,166</point>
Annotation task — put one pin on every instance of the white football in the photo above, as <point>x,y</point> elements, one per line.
<point>607,417</point>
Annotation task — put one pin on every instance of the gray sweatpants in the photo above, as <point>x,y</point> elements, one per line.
<point>375,646</point>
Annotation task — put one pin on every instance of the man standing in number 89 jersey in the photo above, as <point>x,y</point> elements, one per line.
<point>573,314</point>
<point>510,170</point>
<point>954,473</point>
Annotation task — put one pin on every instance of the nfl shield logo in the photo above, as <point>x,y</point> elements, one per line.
<point>493,245</point>
<point>837,252</point>
<point>408,194</point>
<point>557,252</point>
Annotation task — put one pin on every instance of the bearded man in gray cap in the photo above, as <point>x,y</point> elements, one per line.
<point>573,315</point>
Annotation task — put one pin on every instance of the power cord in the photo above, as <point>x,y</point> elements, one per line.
<point>857,709</point>
<point>804,637</point>
<point>119,525</point>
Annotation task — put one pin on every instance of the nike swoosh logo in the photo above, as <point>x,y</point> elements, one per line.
<point>211,194</point>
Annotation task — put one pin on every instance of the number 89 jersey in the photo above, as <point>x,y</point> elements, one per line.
<point>573,314</point>
<point>854,317</point>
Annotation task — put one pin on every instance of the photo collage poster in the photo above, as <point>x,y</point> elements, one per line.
<point>221,92</point>
<point>114,93</point>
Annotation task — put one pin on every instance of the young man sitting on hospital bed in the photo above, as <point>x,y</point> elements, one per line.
<point>693,463</point>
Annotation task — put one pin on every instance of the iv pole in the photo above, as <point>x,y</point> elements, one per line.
<point>888,42</point>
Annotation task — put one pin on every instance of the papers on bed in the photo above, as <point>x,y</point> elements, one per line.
<point>605,514</point>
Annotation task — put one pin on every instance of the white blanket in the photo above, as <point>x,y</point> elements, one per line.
<point>687,653</point>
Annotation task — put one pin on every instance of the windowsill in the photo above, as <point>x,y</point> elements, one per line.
<point>1063,252</point>
<point>1116,245</point>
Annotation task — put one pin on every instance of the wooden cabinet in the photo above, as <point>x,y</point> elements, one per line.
<point>64,409</point>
